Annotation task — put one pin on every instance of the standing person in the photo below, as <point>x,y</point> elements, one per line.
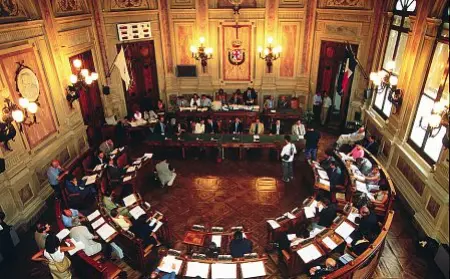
<point>41,233</point>
<point>166,174</point>
<point>317,105</point>
<point>325,108</point>
<point>312,138</point>
<point>287,158</point>
<point>6,243</point>
<point>53,175</point>
<point>58,263</point>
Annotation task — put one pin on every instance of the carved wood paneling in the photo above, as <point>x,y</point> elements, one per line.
<point>292,3</point>
<point>21,34</point>
<point>25,194</point>
<point>184,38</point>
<point>15,10</point>
<point>237,72</point>
<point>165,32</point>
<point>410,174</point>
<point>245,4</point>
<point>289,41</point>
<point>433,207</point>
<point>346,4</point>
<point>126,5</point>
<point>182,4</point>
<point>69,7</point>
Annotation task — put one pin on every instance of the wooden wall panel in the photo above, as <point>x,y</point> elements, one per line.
<point>184,38</point>
<point>241,72</point>
<point>45,127</point>
<point>245,4</point>
<point>289,43</point>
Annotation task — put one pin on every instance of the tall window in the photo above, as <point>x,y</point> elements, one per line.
<point>429,143</point>
<point>393,56</point>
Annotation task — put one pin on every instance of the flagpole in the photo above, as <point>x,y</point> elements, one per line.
<point>349,48</point>
<point>108,75</point>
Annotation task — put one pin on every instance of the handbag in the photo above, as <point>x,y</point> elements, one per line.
<point>62,266</point>
<point>286,156</point>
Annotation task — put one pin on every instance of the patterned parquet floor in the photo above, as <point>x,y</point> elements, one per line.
<point>240,192</point>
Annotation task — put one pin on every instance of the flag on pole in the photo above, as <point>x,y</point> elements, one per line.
<point>348,69</point>
<point>121,65</point>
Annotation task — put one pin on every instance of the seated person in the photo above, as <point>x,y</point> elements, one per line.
<point>321,271</point>
<point>277,128</point>
<point>328,213</point>
<point>360,245</point>
<point>138,118</point>
<point>211,126</point>
<point>82,234</point>
<point>182,102</point>
<point>166,174</point>
<point>144,231</point>
<point>72,218</point>
<point>325,163</point>
<point>74,186</point>
<point>99,159</point>
<point>205,101</point>
<point>107,146</point>
<point>371,145</point>
<point>283,103</point>
<point>298,129</point>
<point>199,127</point>
<point>41,233</point>
<point>250,96</point>
<point>123,221</point>
<point>160,107</point>
<point>335,175</point>
<point>161,127</point>
<point>150,116</point>
<point>221,95</point>
<point>257,128</point>
<point>368,223</point>
<point>357,152</point>
<point>213,251</point>
<point>364,165</point>
<point>195,101</point>
<point>110,202</point>
<point>240,245</point>
<point>374,176</point>
<point>299,232</point>
<point>179,129</point>
<point>114,172</point>
<point>236,126</point>
<point>236,98</point>
<point>351,138</point>
<point>269,103</point>
<point>172,275</point>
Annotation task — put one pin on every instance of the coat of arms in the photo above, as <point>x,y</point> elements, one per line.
<point>236,54</point>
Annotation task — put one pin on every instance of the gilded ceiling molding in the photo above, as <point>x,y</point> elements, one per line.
<point>69,7</point>
<point>346,4</point>
<point>127,5</point>
<point>15,10</point>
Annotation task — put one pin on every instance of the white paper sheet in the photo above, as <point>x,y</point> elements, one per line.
<point>98,223</point>
<point>310,212</point>
<point>91,179</point>
<point>320,207</point>
<point>291,237</point>
<point>127,178</point>
<point>323,174</point>
<point>130,200</point>
<point>289,215</point>
<point>158,225</point>
<point>223,271</point>
<point>217,239</point>
<point>148,155</point>
<point>195,269</point>
<point>131,169</point>
<point>167,263</point>
<point>1,228</point>
<point>114,152</point>
<point>93,215</point>
<point>349,240</point>
<point>344,230</point>
<point>98,167</point>
<point>273,224</point>
<point>309,253</point>
<point>316,230</point>
<point>361,187</point>
<point>137,212</point>
<point>253,269</point>
<point>106,231</point>
<point>78,246</point>
<point>62,234</point>
<point>324,182</point>
<point>352,216</point>
<point>329,243</point>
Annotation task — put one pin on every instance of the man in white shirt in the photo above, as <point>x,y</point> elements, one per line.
<point>82,234</point>
<point>205,102</point>
<point>165,173</point>
<point>317,106</point>
<point>351,138</point>
<point>287,159</point>
<point>298,129</point>
<point>325,108</point>
<point>200,127</point>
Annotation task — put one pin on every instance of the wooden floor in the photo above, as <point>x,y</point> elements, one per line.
<point>245,193</point>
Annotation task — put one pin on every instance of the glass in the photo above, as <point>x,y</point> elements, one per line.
<point>424,110</point>
<point>397,20</point>
<point>411,6</point>
<point>434,79</point>
<point>399,5</point>
<point>387,104</point>
<point>407,22</point>
<point>390,48</point>
<point>433,147</point>
<point>379,97</point>
<point>400,51</point>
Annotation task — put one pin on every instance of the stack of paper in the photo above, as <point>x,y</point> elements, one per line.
<point>253,269</point>
<point>148,155</point>
<point>352,216</point>
<point>291,237</point>
<point>223,271</point>
<point>137,212</point>
<point>195,269</point>
<point>273,224</point>
<point>91,179</point>
<point>131,169</point>
<point>130,200</point>
<point>78,246</point>
<point>62,234</point>
<point>158,225</point>
<point>324,182</point>
<point>344,230</point>
<point>127,178</point>
<point>98,167</point>
<point>106,231</point>
<point>217,239</point>
<point>93,215</point>
<point>289,215</point>
<point>316,230</point>
<point>329,243</point>
<point>310,212</point>
<point>167,263</point>
<point>323,174</point>
<point>98,223</point>
<point>309,253</point>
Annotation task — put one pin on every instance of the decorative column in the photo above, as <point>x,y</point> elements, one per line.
<point>204,79</point>
<point>164,19</point>
<point>268,80</point>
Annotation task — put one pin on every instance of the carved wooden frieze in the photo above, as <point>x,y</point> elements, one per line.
<point>126,5</point>
<point>433,207</point>
<point>69,7</point>
<point>182,4</point>
<point>342,30</point>
<point>409,173</point>
<point>351,17</point>
<point>15,10</point>
<point>292,3</point>
<point>346,4</point>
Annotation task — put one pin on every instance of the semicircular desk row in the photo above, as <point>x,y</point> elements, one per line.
<point>301,256</point>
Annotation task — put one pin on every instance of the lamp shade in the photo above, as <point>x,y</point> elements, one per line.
<point>17,115</point>
<point>393,80</point>
<point>73,79</point>
<point>32,107</point>
<point>390,65</point>
<point>23,102</point>
<point>77,63</point>
<point>85,72</point>
<point>94,76</point>
<point>434,120</point>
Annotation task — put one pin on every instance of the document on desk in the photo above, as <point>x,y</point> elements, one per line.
<point>158,225</point>
<point>78,246</point>
<point>114,152</point>
<point>310,212</point>
<point>91,179</point>
<point>274,224</point>
<point>148,155</point>
<point>195,269</point>
<point>352,217</point>
<point>329,243</point>
<point>93,215</point>
<point>361,187</point>
<point>98,167</point>
<point>217,239</point>
<point>223,271</point>
<point>137,212</point>
<point>167,262</point>
<point>62,234</point>
<point>253,269</point>
<point>130,200</point>
<point>344,230</point>
<point>309,253</point>
<point>106,231</point>
<point>291,237</point>
<point>127,178</point>
<point>289,215</point>
<point>131,169</point>
<point>323,174</point>
<point>324,182</point>
<point>98,223</point>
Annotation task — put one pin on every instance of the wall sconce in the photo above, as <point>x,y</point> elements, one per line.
<point>22,114</point>
<point>202,53</point>
<point>386,80</point>
<point>80,80</point>
<point>439,117</point>
<point>270,54</point>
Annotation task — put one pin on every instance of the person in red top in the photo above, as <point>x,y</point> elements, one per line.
<point>357,152</point>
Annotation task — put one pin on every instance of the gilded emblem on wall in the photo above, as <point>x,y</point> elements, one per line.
<point>236,54</point>
<point>69,5</point>
<point>128,3</point>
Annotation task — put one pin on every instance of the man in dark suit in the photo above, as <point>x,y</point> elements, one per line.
<point>325,163</point>
<point>328,213</point>
<point>161,127</point>
<point>114,172</point>
<point>100,159</point>
<point>250,96</point>
<point>371,145</point>
<point>335,175</point>
<point>74,186</point>
<point>143,231</point>
<point>6,243</point>
<point>211,127</point>
<point>277,128</point>
<point>236,127</point>
<point>240,245</point>
<point>368,222</point>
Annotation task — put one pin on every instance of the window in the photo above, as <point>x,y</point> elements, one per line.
<point>395,47</point>
<point>429,143</point>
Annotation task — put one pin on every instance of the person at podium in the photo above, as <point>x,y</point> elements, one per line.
<point>240,246</point>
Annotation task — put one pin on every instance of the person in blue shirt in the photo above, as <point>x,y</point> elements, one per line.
<point>171,275</point>
<point>72,218</point>
<point>74,186</point>
<point>53,175</point>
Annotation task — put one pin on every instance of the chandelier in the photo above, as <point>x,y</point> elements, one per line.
<point>387,81</point>
<point>439,117</point>
<point>202,53</point>
<point>269,54</point>
<point>79,81</point>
